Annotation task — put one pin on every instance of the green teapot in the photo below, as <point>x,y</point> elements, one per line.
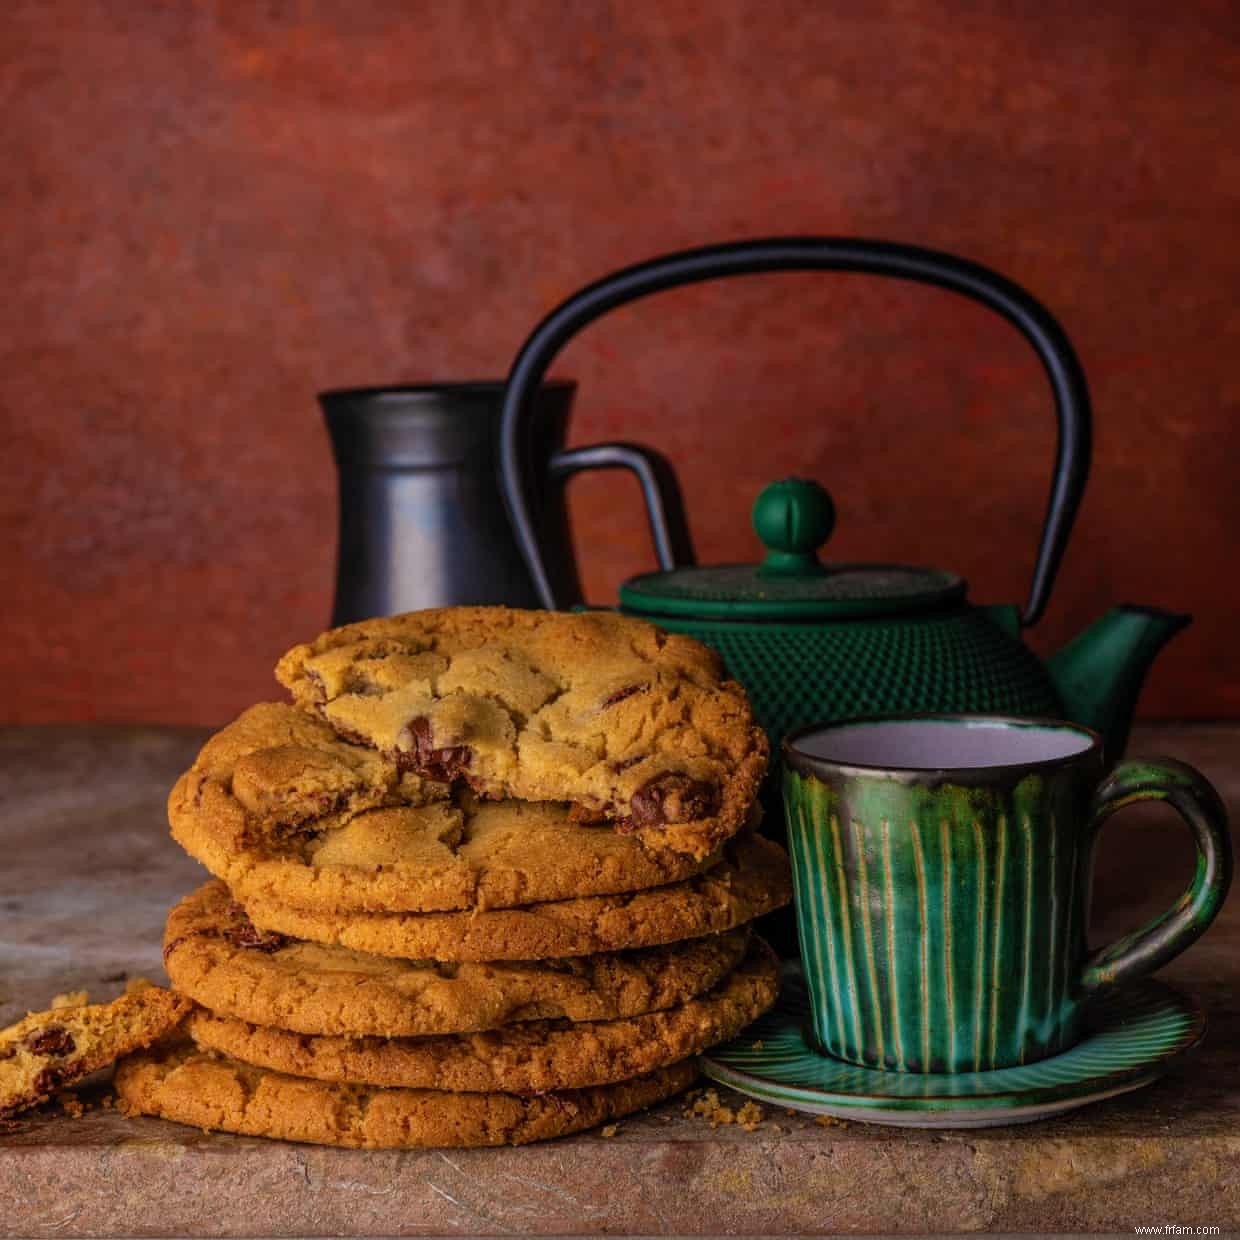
<point>814,641</point>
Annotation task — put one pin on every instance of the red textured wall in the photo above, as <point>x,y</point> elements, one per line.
<point>210,211</point>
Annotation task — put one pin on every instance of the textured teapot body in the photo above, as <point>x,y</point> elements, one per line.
<point>960,659</point>
<point>811,640</point>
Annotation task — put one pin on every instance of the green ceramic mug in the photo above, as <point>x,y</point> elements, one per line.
<point>942,867</point>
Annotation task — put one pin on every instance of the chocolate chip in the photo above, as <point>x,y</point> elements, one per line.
<point>253,939</point>
<point>50,1077</point>
<point>169,948</point>
<point>585,816</point>
<point>424,759</point>
<point>54,1040</point>
<point>671,797</point>
<point>621,694</point>
<point>244,933</point>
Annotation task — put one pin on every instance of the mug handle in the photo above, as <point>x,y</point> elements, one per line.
<point>1200,806</point>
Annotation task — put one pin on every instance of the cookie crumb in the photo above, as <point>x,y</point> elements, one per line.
<point>609,1130</point>
<point>750,1116</point>
<point>708,1107</point>
<point>136,984</point>
<point>758,1045</point>
<point>829,1121</point>
<point>71,998</point>
<point>71,1104</point>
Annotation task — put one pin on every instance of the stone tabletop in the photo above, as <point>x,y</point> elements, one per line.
<point>87,873</point>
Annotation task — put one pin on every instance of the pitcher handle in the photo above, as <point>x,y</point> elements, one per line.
<point>660,490</point>
<point>1188,791</point>
<point>886,258</point>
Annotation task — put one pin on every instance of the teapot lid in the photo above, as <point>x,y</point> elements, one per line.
<point>794,518</point>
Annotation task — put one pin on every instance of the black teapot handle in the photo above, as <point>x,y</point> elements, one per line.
<point>884,258</point>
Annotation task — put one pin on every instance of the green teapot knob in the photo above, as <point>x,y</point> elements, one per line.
<point>793,517</point>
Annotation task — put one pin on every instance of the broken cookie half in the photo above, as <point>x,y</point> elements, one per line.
<point>282,808</point>
<point>50,1050</point>
<point>627,724</point>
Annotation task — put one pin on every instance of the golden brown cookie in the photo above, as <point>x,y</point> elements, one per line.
<point>628,723</point>
<point>49,1050</point>
<point>751,879</point>
<point>215,955</point>
<point>283,809</point>
<point>207,1091</point>
<point>528,1058</point>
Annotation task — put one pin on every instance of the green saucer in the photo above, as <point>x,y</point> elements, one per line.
<point>1131,1039</point>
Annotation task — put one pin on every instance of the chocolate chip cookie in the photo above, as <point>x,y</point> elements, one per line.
<point>214,954</point>
<point>631,725</point>
<point>751,879</point>
<point>209,1091</point>
<point>52,1049</point>
<point>527,1058</point>
<point>284,809</point>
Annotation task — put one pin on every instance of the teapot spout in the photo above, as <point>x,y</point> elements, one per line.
<point>1099,673</point>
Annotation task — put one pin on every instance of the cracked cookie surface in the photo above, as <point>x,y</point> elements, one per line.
<point>210,1091</point>
<point>752,878</point>
<point>215,955</point>
<point>49,1050</point>
<point>629,724</point>
<point>282,808</point>
<point>532,1057</point>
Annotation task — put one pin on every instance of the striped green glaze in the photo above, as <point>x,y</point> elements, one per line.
<point>942,915</point>
<point>916,919</point>
<point>1131,1036</point>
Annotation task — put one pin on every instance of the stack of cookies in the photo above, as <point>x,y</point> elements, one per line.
<point>488,879</point>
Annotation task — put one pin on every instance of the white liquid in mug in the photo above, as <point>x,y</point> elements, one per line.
<point>940,744</point>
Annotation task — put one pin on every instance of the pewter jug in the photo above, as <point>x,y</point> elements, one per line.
<point>422,521</point>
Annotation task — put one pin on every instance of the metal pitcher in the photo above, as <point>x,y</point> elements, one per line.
<point>422,519</point>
